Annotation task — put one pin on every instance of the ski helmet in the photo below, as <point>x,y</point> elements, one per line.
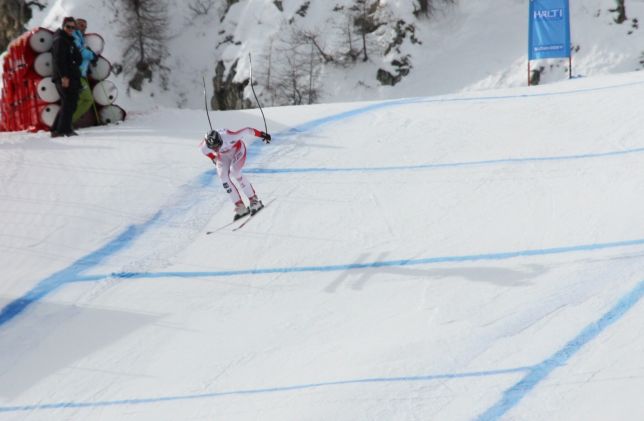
<point>213,139</point>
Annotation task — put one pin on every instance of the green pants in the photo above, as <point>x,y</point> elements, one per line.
<point>85,100</point>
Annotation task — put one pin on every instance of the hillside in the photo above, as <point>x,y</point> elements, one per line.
<point>463,47</point>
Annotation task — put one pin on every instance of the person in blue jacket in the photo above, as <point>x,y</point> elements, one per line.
<point>85,98</point>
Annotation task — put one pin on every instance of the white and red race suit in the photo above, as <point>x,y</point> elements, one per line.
<point>230,159</point>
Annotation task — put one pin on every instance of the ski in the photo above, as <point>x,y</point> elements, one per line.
<point>252,215</point>
<point>228,224</point>
<point>244,220</point>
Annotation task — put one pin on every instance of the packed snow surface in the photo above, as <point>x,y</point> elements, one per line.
<point>460,257</point>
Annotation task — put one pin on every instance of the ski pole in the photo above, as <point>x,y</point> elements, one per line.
<point>255,95</point>
<point>205,100</point>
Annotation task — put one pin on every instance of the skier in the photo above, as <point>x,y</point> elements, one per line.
<point>227,150</point>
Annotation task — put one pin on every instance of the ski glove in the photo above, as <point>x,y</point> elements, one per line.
<point>265,137</point>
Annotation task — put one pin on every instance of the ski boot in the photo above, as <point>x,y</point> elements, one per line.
<point>255,205</point>
<point>240,210</point>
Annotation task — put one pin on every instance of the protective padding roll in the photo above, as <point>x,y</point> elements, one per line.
<point>105,93</point>
<point>46,90</point>
<point>101,70</point>
<point>41,40</point>
<point>43,65</point>
<point>111,114</point>
<point>95,42</point>
<point>48,114</point>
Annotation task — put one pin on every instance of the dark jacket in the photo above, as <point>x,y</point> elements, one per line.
<point>66,57</point>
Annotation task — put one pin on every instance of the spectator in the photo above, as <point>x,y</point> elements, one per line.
<point>85,98</point>
<point>66,76</point>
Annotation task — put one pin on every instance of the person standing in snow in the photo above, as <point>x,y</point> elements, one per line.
<point>85,98</point>
<point>66,59</point>
<point>227,150</point>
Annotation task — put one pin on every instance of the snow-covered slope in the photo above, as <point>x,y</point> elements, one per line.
<point>471,45</point>
<point>471,256</point>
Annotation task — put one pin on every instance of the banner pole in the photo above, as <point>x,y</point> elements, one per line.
<point>528,72</point>
<point>570,66</point>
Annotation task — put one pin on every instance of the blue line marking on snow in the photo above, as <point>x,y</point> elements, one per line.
<point>369,265</point>
<point>207,178</point>
<point>311,125</point>
<point>513,395</point>
<point>209,395</point>
<point>71,273</point>
<point>443,165</point>
<point>314,124</point>
<point>510,398</point>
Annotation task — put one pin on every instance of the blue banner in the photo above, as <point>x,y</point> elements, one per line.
<point>549,29</point>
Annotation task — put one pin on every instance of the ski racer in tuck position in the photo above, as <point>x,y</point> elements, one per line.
<point>227,150</point>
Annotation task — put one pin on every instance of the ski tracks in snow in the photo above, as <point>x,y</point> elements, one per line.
<point>506,316</point>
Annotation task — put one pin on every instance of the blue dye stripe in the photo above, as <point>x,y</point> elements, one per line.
<point>48,285</point>
<point>72,273</point>
<point>51,283</point>
<point>314,124</point>
<point>210,395</point>
<point>430,166</point>
<point>309,126</point>
<point>512,396</point>
<point>84,264</point>
<point>369,265</point>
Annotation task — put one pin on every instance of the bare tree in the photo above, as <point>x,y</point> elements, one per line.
<point>313,38</point>
<point>288,84</point>
<point>312,91</point>
<point>269,66</point>
<point>200,7</point>
<point>365,21</point>
<point>293,67</point>
<point>144,28</point>
<point>346,51</point>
